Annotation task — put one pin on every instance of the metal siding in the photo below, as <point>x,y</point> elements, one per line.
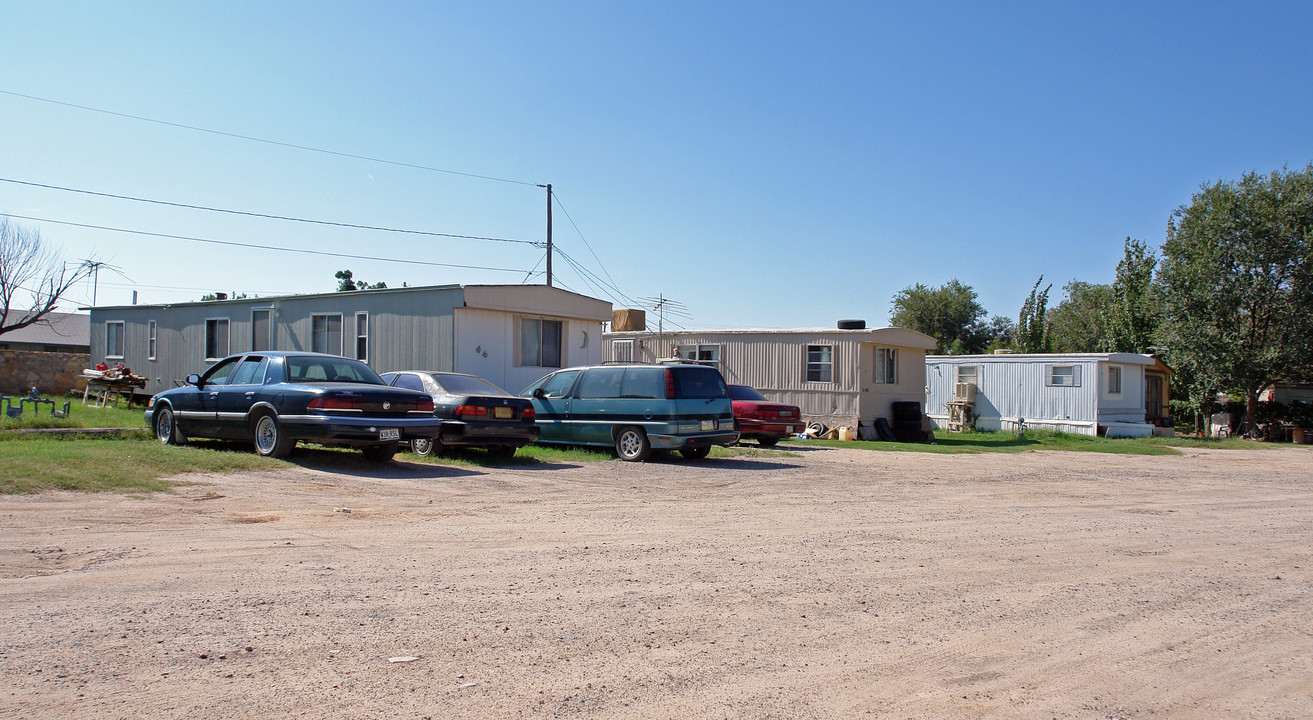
<point>775,362</point>
<point>1017,388</point>
<point>407,329</point>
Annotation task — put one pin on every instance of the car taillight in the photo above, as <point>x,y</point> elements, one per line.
<point>471,410</point>
<point>335,403</point>
<point>528,414</point>
<point>767,415</point>
<point>670,384</point>
<point>425,405</point>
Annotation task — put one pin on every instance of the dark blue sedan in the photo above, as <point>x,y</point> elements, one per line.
<point>278,398</point>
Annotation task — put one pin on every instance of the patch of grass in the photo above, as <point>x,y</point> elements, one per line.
<point>80,416</point>
<point>1009,442</point>
<point>528,455</point>
<point>750,451</point>
<point>31,464</point>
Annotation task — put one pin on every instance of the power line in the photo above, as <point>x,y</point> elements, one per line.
<point>591,285</point>
<point>269,142</point>
<point>557,197</point>
<point>267,247</point>
<point>270,217</point>
<point>582,269</point>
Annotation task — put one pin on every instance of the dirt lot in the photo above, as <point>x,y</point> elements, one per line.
<point>832,584</point>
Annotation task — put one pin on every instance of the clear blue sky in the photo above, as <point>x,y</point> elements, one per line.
<point>765,164</point>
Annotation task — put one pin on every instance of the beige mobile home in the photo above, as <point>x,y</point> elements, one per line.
<point>835,376</point>
<point>509,334</point>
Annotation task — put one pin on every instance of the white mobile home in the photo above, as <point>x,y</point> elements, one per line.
<point>509,334</point>
<point>835,376</point>
<point>1084,393</point>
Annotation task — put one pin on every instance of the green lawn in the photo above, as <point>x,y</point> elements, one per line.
<point>34,463</point>
<point>80,416</point>
<point>1010,442</point>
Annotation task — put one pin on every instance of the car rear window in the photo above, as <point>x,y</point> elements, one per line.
<point>699,382</point>
<point>466,385</point>
<point>743,392</point>
<point>318,370</point>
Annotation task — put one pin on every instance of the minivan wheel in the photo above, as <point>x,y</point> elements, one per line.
<point>631,444</point>
<point>696,453</point>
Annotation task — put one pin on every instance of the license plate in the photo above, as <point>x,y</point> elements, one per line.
<point>389,434</point>
<point>502,412</point>
<point>708,424</point>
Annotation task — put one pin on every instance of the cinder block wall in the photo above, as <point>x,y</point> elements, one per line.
<point>53,373</point>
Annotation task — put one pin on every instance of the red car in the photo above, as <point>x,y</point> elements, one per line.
<point>762,420</point>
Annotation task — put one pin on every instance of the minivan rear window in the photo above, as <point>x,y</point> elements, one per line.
<point>601,383</point>
<point>699,382</point>
<point>648,383</point>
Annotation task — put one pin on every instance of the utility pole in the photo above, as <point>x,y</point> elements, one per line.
<point>549,232</point>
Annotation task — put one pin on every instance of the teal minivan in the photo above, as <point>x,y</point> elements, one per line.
<point>636,408</point>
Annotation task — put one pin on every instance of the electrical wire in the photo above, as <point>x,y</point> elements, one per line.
<point>269,142</point>
<point>268,247</point>
<point>270,217</point>
<point>557,198</point>
<point>577,265</point>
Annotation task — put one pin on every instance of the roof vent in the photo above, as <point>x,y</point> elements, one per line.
<point>852,324</point>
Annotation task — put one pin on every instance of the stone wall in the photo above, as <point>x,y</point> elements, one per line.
<point>53,373</point>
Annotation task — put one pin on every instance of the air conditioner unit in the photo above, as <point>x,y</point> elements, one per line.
<point>965,392</point>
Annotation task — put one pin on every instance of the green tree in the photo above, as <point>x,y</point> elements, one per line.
<point>1237,284</point>
<point>950,314</point>
<point>1130,319</point>
<point>1032,335</point>
<point>346,282</point>
<point>1077,324</point>
<point>999,333</point>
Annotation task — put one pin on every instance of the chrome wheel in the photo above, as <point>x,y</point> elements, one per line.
<point>164,426</point>
<point>632,445</point>
<point>270,440</point>
<point>425,446</point>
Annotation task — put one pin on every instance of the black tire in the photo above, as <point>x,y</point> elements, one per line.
<point>696,453</point>
<point>631,444</point>
<point>270,440</point>
<point>166,426</point>
<point>426,447</point>
<point>501,453</point>
<point>380,453</point>
<point>767,442</point>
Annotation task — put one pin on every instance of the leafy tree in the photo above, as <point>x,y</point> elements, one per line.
<point>1131,316</point>
<point>29,266</point>
<point>999,333</point>
<point>1032,334</point>
<point>1077,324</point>
<point>950,314</point>
<point>1237,284</point>
<point>347,282</point>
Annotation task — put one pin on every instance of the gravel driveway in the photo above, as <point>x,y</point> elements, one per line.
<point>831,583</point>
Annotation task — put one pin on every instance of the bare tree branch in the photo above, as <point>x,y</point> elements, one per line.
<point>28,266</point>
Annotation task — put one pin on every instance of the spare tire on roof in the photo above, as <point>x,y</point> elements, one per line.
<point>852,324</point>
